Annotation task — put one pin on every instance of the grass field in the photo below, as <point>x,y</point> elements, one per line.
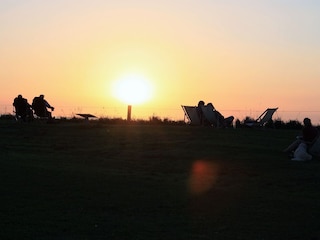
<point>138,181</point>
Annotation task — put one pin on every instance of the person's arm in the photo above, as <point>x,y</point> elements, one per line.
<point>48,105</point>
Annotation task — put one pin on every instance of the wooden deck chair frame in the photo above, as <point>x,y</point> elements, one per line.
<point>265,117</point>
<point>191,113</point>
<point>19,118</point>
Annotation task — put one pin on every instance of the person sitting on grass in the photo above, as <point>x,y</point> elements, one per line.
<point>309,134</point>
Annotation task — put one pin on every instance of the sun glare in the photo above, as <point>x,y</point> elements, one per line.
<point>132,89</point>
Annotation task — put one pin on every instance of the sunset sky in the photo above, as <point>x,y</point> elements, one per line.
<point>242,55</point>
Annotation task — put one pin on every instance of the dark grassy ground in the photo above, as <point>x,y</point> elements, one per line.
<point>98,181</point>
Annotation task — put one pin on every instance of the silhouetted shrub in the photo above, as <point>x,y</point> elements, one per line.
<point>7,117</point>
<point>279,124</point>
<point>155,119</point>
<point>293,124</point>
<point>238,123</point>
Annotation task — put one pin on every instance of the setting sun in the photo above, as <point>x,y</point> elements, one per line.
<point>132,89</point>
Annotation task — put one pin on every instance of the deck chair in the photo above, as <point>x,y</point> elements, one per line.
<point>211,116</point>
<point>23,113</point>
<point>265,117</point>
<point>214,118</point>
<point>191,113</point>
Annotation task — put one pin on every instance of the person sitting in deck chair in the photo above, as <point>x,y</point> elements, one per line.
<point>221,121</point>
<point>22,108</point>
<point>40,107</point>
<point>200,113</point>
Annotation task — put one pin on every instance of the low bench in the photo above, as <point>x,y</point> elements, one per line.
<point>86,116</point>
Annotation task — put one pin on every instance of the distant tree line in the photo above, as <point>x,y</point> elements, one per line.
<point>154,120</point>
<point>277,124</point>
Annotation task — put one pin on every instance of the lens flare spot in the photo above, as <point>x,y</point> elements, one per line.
<point>203,176</point>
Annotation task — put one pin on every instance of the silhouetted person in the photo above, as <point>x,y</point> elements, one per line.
<point>221,120</point>
<point>22,108</point>
<point>200,113</point>
<point>40,107</point>
<point>309,134</point>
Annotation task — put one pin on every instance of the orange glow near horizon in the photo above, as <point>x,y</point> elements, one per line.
<point>81,56</point>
